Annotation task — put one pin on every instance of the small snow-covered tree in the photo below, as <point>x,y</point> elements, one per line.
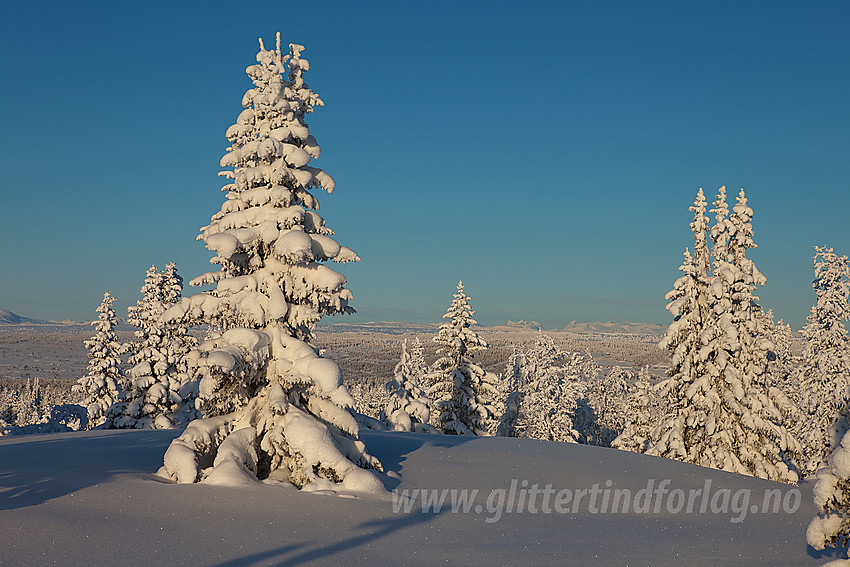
<point>465,396</point>
<point>102,387</point>
<point>780,377</point>
<point>8,400</point>
<point>549,385</point>
<point>160,392</point>
<point>509,393</point>
<point>275,408</point>
<point>831,527</point>
<point>722,412</point>
<point>639,416</point>
<point>30,407</point>
<point>172,285</point>
<point>781,360</point>
<point>607,398</point>
<point>370,397</point>
<point>408,406</point>
<point>824,374</point>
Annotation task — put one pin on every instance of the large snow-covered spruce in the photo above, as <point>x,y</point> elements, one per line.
<point>465,396</point>
<point>103,386</point>
<point>274,408</point>
<point>824,375</point>
<point>722,411</point>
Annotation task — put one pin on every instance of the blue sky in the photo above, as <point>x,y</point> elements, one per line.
<point>545,153</point>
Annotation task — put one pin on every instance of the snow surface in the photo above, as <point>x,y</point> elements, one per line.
<point>92,499</point>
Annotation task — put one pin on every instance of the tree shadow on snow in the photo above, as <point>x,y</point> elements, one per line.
<point>392,448</point>
<point>260,558</point>
<point>321,552</point>
<point>35,469</point>
<point>830,553</point>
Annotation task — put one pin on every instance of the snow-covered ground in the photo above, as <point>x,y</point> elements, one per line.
<point>92,499</point>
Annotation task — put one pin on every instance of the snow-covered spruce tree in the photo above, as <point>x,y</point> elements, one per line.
<point>639,414</point>
<point>689,305</point>
<point>824,373</point>
<point>831,527</point>
<point>102,387</point>
<point>722,414</point>
<point>8,400</point>
<point>781,361</point>
<point>160,392</point>
<point>172,285</point>
<point>608,398</point>
<point>370,397</point>
<point>275,409</point>
<point>509,393</point>
<point>780,373</point>
<point>30,408</point>
<point>464,394</point>
<point>408,407</point>
<point>754,328</point>
<point>755,331</point>
<point>551,384</point>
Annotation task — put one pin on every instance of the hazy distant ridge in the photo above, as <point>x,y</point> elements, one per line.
<point>616,327</point>
<point>9,318</point>
<point>400,328</point>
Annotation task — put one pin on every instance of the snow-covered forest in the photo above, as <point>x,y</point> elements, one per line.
<point>253,392</point>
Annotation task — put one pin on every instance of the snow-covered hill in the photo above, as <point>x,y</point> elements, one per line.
<point>91,499</point>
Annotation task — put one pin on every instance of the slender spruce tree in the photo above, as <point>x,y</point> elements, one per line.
<point>103,386</point>
<point>824,375</point>
<point>465,395</point>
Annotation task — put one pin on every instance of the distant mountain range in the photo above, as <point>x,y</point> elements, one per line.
<point>9,318</point>
<point>616,327</point>
<point>397,328</point>
<point>401,328</point>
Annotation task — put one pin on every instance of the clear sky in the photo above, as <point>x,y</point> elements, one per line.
<point>545,153</point>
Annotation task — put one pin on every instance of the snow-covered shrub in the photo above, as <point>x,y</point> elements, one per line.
<point>722,413</point>
<point>274,408</point>
<point>823,377</point>
<point>408,406</point>
<point>103,386</point>
<point>464,395</point>
<point>160,392</point>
